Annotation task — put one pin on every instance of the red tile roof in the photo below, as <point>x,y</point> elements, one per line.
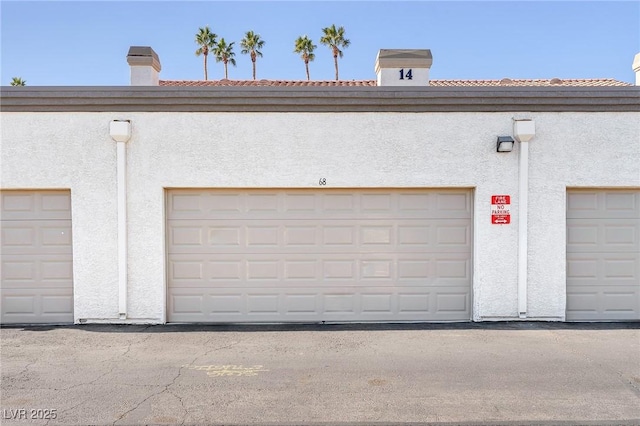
<point>505,82</point>
<point>267,83</point>
<point>570,82</point>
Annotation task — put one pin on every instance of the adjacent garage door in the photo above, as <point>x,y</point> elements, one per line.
<point>331,255</point>
<point>603,255</point>
<point>37,278</point>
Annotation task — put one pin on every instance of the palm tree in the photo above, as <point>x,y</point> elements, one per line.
<point>206,40</point>
<point>18,81</point>
<point>251,44</point>
<point>305,47</point>
<point>224,53</point>
<point>334,38</point>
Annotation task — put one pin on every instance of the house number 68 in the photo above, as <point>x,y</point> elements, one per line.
<point>322,182</point>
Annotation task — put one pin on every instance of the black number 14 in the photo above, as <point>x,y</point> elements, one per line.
<point>408,75</point>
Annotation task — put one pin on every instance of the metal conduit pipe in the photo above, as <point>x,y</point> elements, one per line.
<point>120,131</point>
<point>523,132</point>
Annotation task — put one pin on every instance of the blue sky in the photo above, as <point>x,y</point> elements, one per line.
<point>64,43</point>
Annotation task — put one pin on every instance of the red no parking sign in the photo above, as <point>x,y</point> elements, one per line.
<point>500,209</point>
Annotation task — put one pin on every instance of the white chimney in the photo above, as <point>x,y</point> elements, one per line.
<point>403,67</point>
<point>636,68</point>
<point>145,66</point>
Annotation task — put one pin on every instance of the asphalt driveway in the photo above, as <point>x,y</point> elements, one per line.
<point>490,373</point>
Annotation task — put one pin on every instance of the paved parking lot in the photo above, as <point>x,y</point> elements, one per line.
<point>497,373</point>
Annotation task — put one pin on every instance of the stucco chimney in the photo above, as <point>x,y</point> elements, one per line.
<point>145,66</point>
<point>636,68</point>
<point>403,67</point>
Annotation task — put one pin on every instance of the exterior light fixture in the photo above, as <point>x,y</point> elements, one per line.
<point>505,144</point>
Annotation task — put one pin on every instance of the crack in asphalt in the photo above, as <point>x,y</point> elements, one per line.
<point>233,343</point>
<point>629,382</point>
<point>110,360</point>
<point>24,370</point>
<point>89,382</point>
<point>138,405</point>
<point>186,412</point>
<point>184,417</point>
<point>59,415</point>
<point>166,387</point>
<point>137,342</point>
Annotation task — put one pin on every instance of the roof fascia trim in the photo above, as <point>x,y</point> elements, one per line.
<point>317,99</point>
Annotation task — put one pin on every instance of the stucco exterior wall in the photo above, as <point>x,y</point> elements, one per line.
<point>71,151</point>
<point>571,150</point>
<point>266,150</point>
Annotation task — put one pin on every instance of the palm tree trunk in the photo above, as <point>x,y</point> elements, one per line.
<point>335,60</point>
<point>306,65</point>
<point>226,75</point>
<point>253,62</point>
<point>205,68</point>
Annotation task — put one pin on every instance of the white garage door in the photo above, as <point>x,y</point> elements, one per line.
<point>603,255</point>
<point>37,277</point>
<point>332,255</point>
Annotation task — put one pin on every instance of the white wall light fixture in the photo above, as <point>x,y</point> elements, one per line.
<point>505,144</point>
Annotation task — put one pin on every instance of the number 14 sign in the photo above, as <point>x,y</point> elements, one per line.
<point>500,209</point>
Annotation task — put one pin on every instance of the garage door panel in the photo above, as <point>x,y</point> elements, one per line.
<point>331,304</point>
<point>583,268</point>
<point>36,237</point>
<point>603,255</point>
<point>603,235</point>
<point>297,255</point>
<point>455,203</point>
<point>622,300</point>
<point>377,303</point>
<point>627,202</point>
<point>623,269</point>
<point>598,268</point>
<point>300,236</point>
<point>622,236</point>
<point>57,304</point>
<point>262,304</point>
<point>47,271</point>
<point>450,301</point>
<point>339,204</point>
<point>284,303</point>
<point>614,303</point>
<point>453,269</point>
<point>37,305</point>
<point>35,205</point>
<point>301,269</point>
<point>603,204</point>
<point>226,270</point>
<point>36,257</point>
<point>187,304</point>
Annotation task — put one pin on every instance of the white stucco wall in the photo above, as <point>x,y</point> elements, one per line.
<point>571,150</point>
<point>253,150</point>
<point>72,151</point>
